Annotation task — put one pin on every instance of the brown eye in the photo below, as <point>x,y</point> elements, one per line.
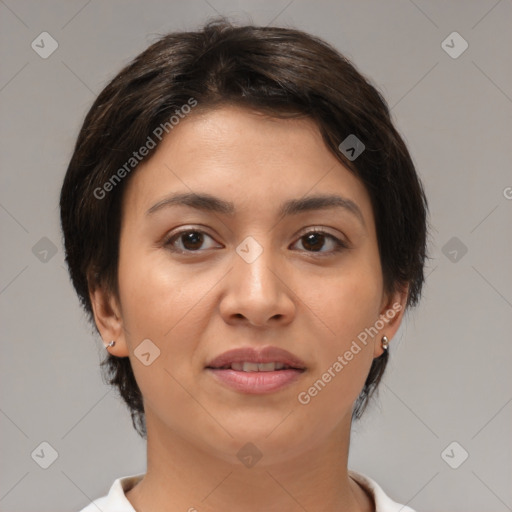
<point>314,241</point>
<point>191,240</point>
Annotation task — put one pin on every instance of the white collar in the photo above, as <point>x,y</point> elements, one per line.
<point>383,503</point>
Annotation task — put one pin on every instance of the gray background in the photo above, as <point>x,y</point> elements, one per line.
<point>449,378</point>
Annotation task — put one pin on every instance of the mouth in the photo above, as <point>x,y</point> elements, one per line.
<point>247,366</point>
<point>249,371</point>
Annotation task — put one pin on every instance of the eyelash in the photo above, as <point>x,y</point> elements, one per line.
<point>339,244</point>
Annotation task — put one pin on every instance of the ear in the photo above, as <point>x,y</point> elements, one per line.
<point>391,314</point>
<point>109,320</point>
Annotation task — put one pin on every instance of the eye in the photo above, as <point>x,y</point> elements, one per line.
<point>191,241</point>
<point>314,240</point>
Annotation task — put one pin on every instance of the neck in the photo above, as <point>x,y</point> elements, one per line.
<point>183,476</point>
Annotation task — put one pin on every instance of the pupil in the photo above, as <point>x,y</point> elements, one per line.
<point>193,238</point>
<point>314,239</point>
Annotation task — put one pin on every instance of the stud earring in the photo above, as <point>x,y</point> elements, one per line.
<point>111,344</point>
<point>385,342</point>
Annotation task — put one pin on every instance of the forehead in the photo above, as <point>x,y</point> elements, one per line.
<point>251,159</point>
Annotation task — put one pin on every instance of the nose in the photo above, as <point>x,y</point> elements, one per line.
<point>258,293</point>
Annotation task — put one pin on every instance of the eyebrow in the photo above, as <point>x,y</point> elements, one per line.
<point>209,203</point>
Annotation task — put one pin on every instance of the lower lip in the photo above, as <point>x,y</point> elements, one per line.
<point>256,382</point>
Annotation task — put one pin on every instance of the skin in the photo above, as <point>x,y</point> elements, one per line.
<point>303,297</point>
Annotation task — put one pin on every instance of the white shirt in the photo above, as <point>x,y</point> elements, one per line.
<point>116,500</point>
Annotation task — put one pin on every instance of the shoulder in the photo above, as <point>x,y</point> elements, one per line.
<point>115,500</point>
<point>383,503</point>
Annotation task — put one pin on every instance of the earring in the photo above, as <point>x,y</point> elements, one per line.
<point>111,344</point>
<point>385,342</point>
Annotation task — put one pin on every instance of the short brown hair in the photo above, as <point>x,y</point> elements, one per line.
<point>278,71</point>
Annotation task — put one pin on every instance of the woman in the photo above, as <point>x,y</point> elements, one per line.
<point>246,229</point>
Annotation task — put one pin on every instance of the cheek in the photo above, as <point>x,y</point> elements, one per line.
<point>345,307</point>
<point>157,305</point>
<point>347,302</point>
<point>156,293</point>
<point>344,356</point>
<point>165,302</point>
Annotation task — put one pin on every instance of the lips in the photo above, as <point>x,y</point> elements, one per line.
<point>268,359</point>
<point>257,372</point>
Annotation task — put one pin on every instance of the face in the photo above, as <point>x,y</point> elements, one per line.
<point>200,277</point>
